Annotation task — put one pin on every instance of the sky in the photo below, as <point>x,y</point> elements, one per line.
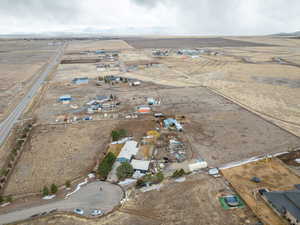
<point>199,17</point>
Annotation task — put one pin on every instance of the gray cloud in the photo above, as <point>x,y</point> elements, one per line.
<point>149,3</point>
<point>62,11</point>
<point>232,16</point>
<point>176,16</point>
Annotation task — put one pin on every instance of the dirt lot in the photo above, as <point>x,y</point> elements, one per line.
<point>274,175</point>
<point>138,128</point>
<point>249,75</point>
<point>93,45</point>
<point>59,153</point>
<point>20,61</point>
<point>187,43</point>
<point>218,130</point>
<point>222,132</point>
<point>192,202</point>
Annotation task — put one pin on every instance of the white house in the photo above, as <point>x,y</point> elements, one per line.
<point>129,149</point>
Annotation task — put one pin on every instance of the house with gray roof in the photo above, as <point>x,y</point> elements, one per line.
<point>285,203</point>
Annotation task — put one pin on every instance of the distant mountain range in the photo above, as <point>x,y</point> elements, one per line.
<point>294,34</point>
<point>90,32</point>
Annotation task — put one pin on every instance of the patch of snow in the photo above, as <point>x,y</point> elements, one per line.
<point>127,182</point>
<point>77,188</point>
<point>91,176</point>
<point>122,141</point>
<point>180,179</point>
<point>253,159</point>
<point>151,188</point>
<point>5,204</point>
<point>49,197</point>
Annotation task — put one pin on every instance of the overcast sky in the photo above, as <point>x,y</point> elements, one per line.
<point>203,17</point>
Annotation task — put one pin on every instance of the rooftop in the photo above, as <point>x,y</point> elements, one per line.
<point>140,164</point>
<point>285,201</point>
<point>129,149</point>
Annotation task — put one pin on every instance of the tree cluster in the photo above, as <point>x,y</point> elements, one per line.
<point>106,165</point>
<point>125,170</point>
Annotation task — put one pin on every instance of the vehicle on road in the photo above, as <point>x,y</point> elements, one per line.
<point>35,215</point>
<point>96,212</point>
<point>78,211</point>
<point>43,213</point>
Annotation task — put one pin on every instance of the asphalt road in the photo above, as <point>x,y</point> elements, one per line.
<point>88,198</point>
<point>8,123</point>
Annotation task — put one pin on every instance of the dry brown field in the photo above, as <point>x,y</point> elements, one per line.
<point>20,62</point>
<point>220,131</point>
<point>57,153</point>
<point>92,45</point>
<point>261,84</point>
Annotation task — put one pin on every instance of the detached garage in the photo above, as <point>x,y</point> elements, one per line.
<point>140,165</point>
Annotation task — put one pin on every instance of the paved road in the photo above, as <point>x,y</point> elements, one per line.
<point>8,123</point>
<point>87,198</point>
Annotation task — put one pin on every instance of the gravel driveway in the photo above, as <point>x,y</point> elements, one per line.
<point>88,198</point>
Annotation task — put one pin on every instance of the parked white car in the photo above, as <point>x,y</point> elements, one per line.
<point>96,212</point>
<point>78,211</point>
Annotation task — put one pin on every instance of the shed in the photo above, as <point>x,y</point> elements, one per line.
<point>143,109</point>
<point>172,122</point>
<point>102,98</point>
<point>140,165</point>
<point>152,101</point>
<point>81,80</point>
<point>65,98</point>
<point>129,149</point>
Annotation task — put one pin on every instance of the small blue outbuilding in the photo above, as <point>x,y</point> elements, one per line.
<point>65,98</point>
<point>81,80</point>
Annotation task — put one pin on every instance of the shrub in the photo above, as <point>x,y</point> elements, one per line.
<point>118,134</point>
<point>124,171</point>
<point>2,172</point>
<point>14,151</point>
<point>1,199</point>
<point>45,191</point>
<point>26,129</point>
<point>152,179</point>
<point>8,198</point>
<point>12,157</point>
<point>140,183</point>
<point>159,177</point>
<point>68,184</point>
<point>106,165</point>
<point>53,188</point>
<point>178,173</point>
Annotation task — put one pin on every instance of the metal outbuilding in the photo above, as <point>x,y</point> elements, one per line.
<point>81,80</point>
<point>140,165</point>
<point>65,98</point>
